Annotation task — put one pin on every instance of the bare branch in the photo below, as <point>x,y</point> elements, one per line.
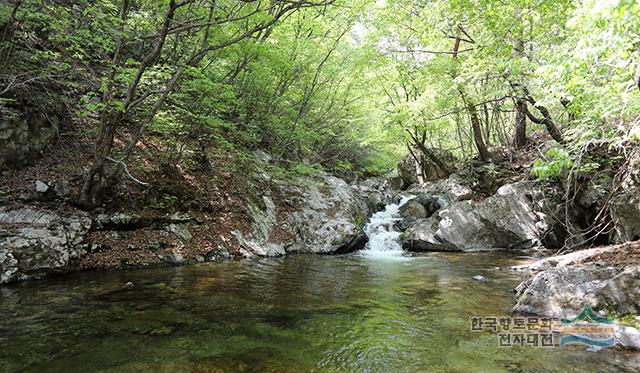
<point>126,170</point>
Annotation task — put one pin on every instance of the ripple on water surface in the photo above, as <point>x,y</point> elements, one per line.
<point>295,314</point>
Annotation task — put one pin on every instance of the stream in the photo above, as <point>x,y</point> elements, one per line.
<point>379,310</point>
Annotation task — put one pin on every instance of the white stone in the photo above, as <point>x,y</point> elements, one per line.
<point>41,187</point>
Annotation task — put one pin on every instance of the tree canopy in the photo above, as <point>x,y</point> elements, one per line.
<point>348,86</point>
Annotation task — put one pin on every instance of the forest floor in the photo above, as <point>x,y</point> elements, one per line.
<point>212,189</point>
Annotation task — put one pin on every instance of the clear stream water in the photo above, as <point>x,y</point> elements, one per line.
<point>376,311</point>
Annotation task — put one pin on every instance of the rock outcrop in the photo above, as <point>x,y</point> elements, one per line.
<point>325,215</point>
<point>320,214</point>
<point>37,242</point>
<point>606,278</point>
<point>513,218</point>
<point>23,138</point>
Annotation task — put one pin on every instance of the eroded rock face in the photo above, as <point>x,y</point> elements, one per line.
<point>454,188</point>
<point>607,279</point>
<point>34,243</point>
<point>24,138</point>
<point>512,218</point>
<point>565,283</point>
<point>258,242</point>
<point>326,215</point>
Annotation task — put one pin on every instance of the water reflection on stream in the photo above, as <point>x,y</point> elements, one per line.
<point>300,313</point>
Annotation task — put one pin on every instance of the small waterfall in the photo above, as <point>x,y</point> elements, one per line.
<point>384,241</point>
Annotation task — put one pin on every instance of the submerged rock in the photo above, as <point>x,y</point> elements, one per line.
<point>128,286</point>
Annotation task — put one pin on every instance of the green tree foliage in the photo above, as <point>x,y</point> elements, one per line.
<point>558,165</point>
<point>344,86</point>
<point>567,67</point>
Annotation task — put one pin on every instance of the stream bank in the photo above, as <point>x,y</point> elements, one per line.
<point>318,214</point>
<point>473,210</point>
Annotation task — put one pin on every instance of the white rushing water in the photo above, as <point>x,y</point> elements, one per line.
<point>384,241</point>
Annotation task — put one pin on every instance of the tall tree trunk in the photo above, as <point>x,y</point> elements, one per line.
<point>520,135</point>
<point>477,134</point>
<point>519,88</point>
<point>476,125</point>
<point>92,187</point>
<point>476,128</point>
<point>418,163</point>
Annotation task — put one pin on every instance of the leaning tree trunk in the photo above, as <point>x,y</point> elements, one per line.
<point>546,120</point>
<point>419,141</point>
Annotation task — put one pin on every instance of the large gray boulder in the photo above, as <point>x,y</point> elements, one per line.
<point>394,179</point>
<point>512,218</point>
<point>36,242</point>
<point>413,209</point>
<point>604,278</point>
<point>409,172</point>
<point>325,215</point>
<point>454,188</point>
<point>607,279</point>
<point>418,208</point>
